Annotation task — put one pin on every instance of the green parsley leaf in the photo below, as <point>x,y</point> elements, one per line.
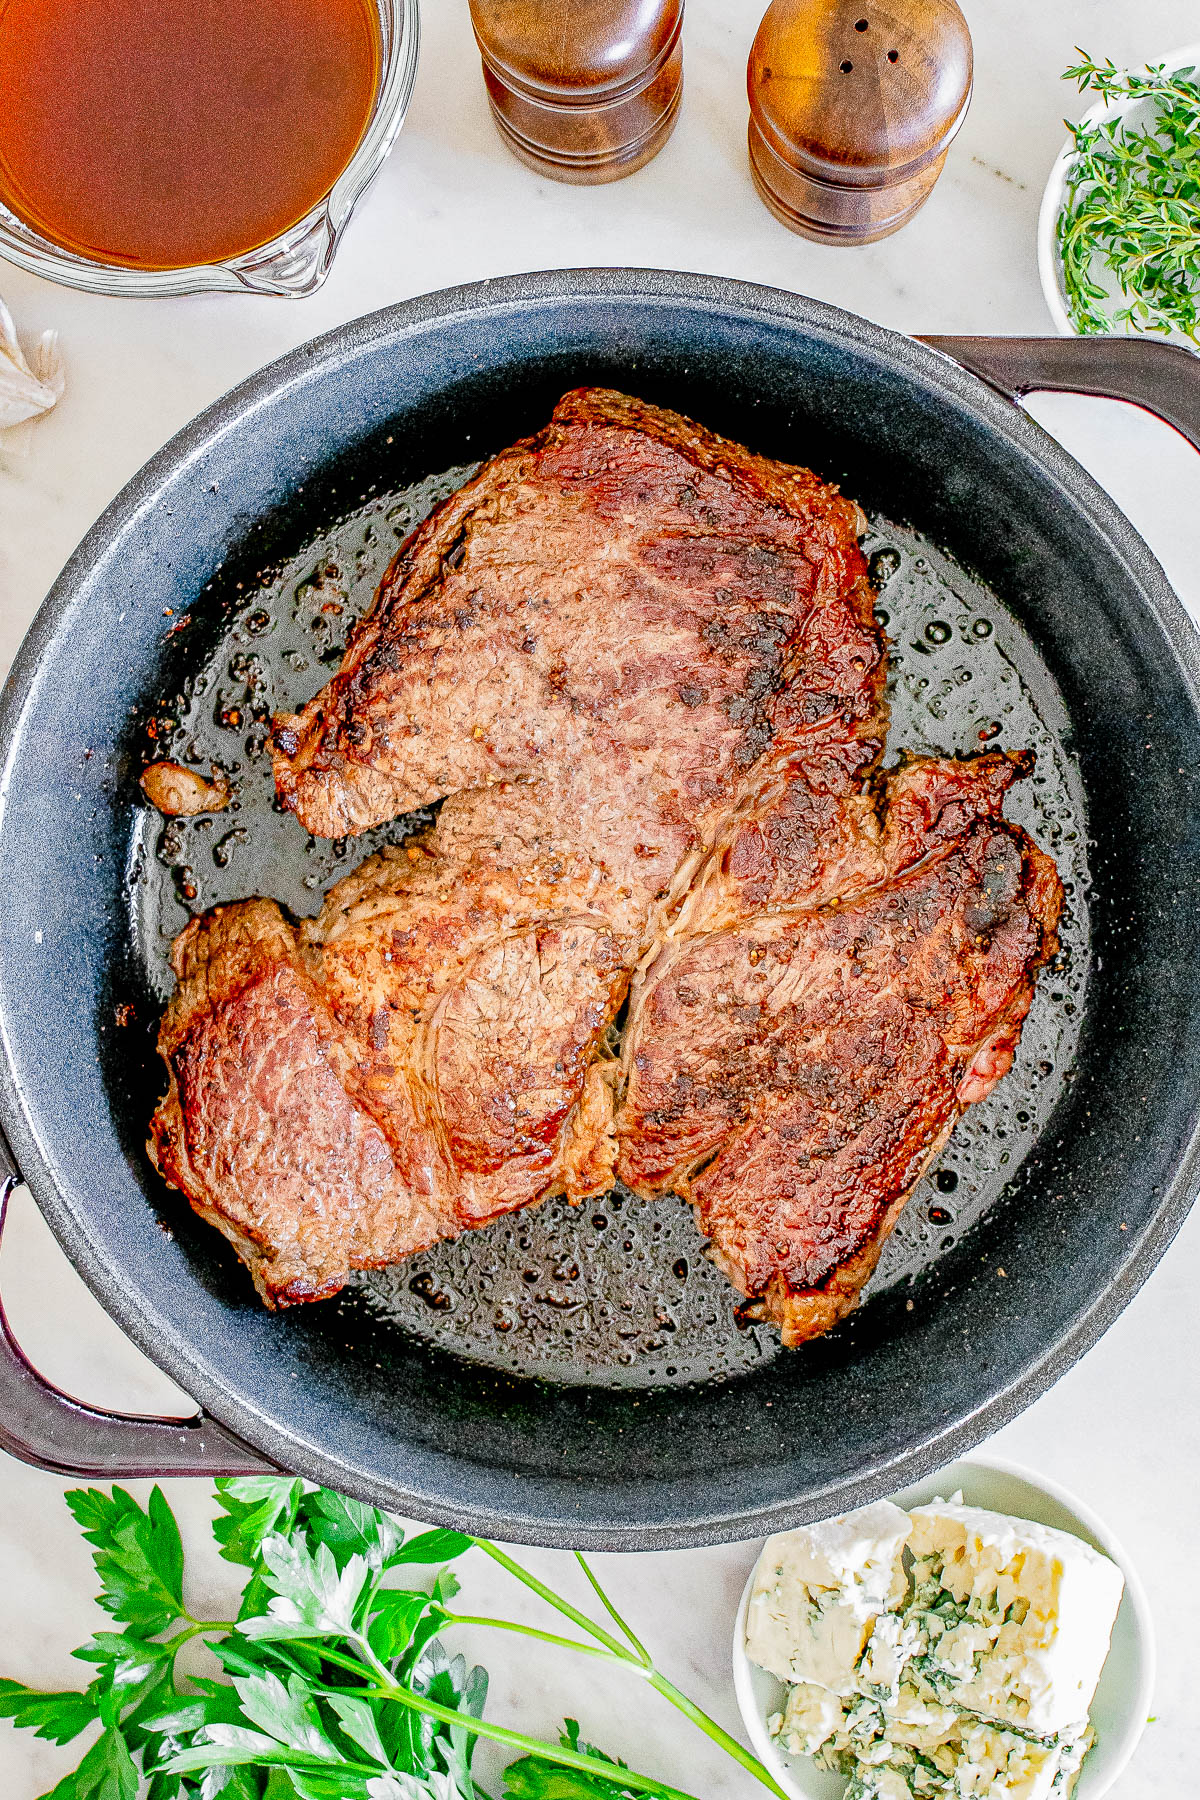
<point>58,1717</point>
<point>352,1529</point>
<point>229,1746</point>
<point>533,1779</point>
<point>280,1785</point>
<point>436,1786</point>
<point>433,1547</point>
<point>312,1596</point>
<point>446,1585</point>
<point>320,1784</point>
<point>244,1784</point>
<point>138,1556</point>
<point>252,1507</point>
<point>394,1616</point>
<point>287,1712</point>
<point>179,1718</point>
<point>450,1684</point>
<point>359,1722</point>
<point>132,1673</point>
<point>334,1688</point>
<point>218,1704</point>
<point>107,1772</point>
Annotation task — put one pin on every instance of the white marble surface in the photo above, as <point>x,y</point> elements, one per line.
<point>1124,1427</point>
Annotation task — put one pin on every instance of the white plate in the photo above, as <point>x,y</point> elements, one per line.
<point>1049,261</point>
<point>1122,1699</point>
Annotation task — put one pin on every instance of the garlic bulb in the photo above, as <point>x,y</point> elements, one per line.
<point>27,388</point>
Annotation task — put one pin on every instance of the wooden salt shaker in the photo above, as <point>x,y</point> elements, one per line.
<point>583,90</point>
<point>853,104</point>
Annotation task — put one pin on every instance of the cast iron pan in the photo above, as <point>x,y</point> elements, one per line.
<point>576,1377</point>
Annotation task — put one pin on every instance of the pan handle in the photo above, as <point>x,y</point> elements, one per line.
<point>1163,378</point>
<point>41,1425</point>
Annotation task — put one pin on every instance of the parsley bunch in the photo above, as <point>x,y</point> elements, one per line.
<point>337,1685</point>
<point>1133,204</point>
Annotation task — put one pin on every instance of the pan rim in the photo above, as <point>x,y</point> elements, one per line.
<point>109,1280</point>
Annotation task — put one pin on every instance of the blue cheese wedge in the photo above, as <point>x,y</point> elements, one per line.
<point>944,1654</point>
<point>819,1591</point>
<point>976,1761</point>
<point>1014,1617</point>
<point>921,1750</point>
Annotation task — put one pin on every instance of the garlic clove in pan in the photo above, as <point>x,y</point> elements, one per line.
<point>180,793</point>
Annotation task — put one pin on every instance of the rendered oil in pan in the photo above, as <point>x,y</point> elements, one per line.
<point>616,1291</point>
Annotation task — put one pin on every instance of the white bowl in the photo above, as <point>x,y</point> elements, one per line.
<point>1049,261</point>
<point>1122,1700</point>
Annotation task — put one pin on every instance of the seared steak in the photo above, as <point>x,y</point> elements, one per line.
<point>644,665</point>
<point>257,1127</point>
<point>624,606</point>
<point>418,1059</point>
<point>793,1062</point>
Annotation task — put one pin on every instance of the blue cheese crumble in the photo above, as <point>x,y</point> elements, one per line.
<point>947,1653</point>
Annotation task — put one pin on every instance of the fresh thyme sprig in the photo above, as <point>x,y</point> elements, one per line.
<point>1132,205</point>
<point>337,1686</point>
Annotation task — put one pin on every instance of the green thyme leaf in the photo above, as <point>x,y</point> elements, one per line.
<point>1132,205</point>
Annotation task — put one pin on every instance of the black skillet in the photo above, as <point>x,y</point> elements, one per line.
<point>577,1378</point>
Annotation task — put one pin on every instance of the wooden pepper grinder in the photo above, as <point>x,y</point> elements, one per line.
<point>583,90</point>
<point>853,104</point>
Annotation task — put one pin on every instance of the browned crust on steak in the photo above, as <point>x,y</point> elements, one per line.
<point>643,664</point>
<point>625,600</point>
<point>414,1062</point>
<point>792,1069</point>
<point>258,1128</point>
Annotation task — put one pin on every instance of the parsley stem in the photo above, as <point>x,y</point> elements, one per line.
<point>194,1759</point>
<point>716,1732</point>
<point>551,1598</point>
<point>643,1663</point>
<point>517,1740</point>
<point>196,1628</point>
<point>546,1637</point>
<point>639,1648</point>
<point>355,1665</point>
